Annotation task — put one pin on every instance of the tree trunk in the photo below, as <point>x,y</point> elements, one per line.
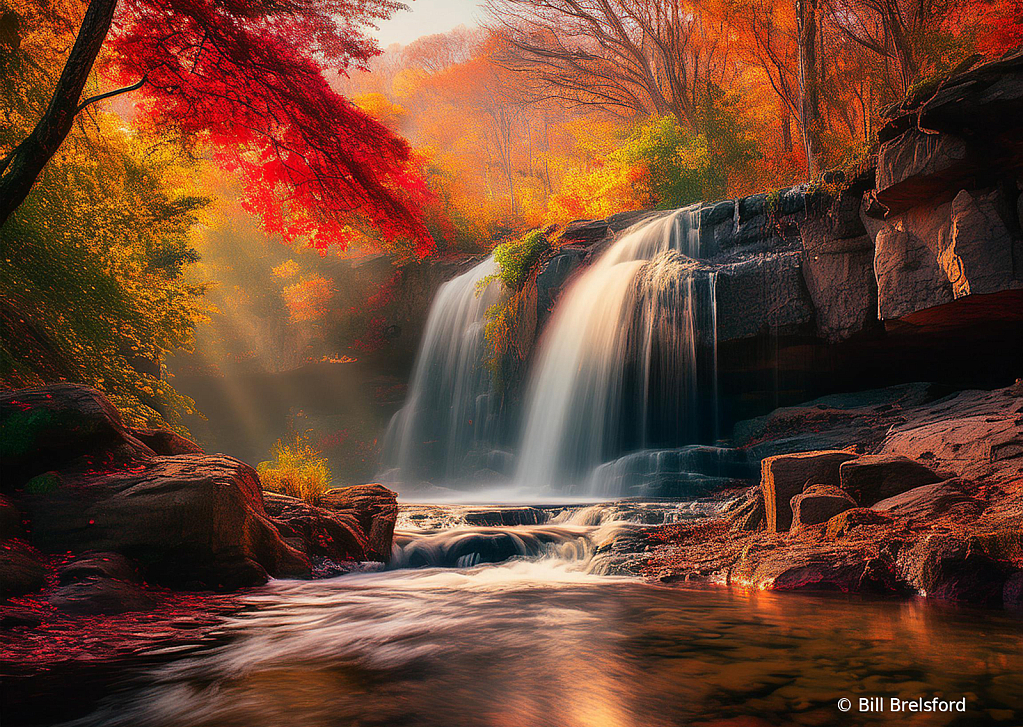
<point>786,131</point>
<point>810,108</point>
<point>18,172</point>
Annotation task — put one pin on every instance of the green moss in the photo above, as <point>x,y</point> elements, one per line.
<point>518,257</point>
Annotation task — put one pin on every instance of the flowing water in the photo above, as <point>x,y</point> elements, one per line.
<point>541,640</point>
<point>618,366</point>
<point>452,408</point>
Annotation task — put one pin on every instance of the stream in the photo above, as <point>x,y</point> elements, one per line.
<point>542,638</point>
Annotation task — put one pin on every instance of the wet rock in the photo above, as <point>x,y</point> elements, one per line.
<point>929,501</point>
<point>97,565</point>
<point>846,522</point>
<point>21,570</point>
<point>13,617</point>
<point>166,442</point>
<point>818,504</point>
<point>376,509</point>
<point>750,516</point>
<point>872,478</point>
<point>763,294</point>
<point>99,595</point>
<point>586,231</point>
<point>195,520</point>
<point>817,567</point>
<point>953,568</point>
<point>506,516</point>
<point>48,427</point>
<point>784,476</point>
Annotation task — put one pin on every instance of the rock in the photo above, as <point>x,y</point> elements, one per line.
<point>187,520</point>
<point>953,568</point>
<point>335,535</point>
<point>12,617</point>
<point>376,509</point>
<point>784,476</point>
<point>166,442</point>
<point>750,516</point>
<point>916,167</point>
<point>586,231</point>
<point>506,516</point>
<point>840,279</point>
<point>848,520</point>
<point>977,255</point>
<point>762,294</point>
<point>843,218</point>
<point>909,278</point>
<point>21,570</point>
<point>98,595</point>
<point>97,565</point>
<point>10,520</point>
<point>1012,591</point>
<point>872,478</point>
<point>818,504</point>
<point>929,501</point>
<point>48,427</point>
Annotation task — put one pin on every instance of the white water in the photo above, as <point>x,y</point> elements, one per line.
<point>637,305</point>
<point>451,408</point>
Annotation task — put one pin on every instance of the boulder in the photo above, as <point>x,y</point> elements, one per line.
<point>750,516</point>
<point>762,294</point>
<point>929,501</point>
<point>21,570</point>
<point>852,518</point>
<point>97,565</point>
<point>99,595</point>
<point>166,442</point>
<point>784,476</point>
<point>334,535</point>
<point>953,568</point>
<point>49,427</point>
<point>818,504</point>
<point>376,509</point>
<point>187,520</point>
<point>872,478</point>
<point>976,257</point>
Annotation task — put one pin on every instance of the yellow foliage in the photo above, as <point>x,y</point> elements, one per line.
<point>296,469</point>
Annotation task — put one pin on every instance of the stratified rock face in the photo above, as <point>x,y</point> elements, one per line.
<point>188,520</point>
<point>870,479</point>
<point>927,502</point>
<point>375,508</point>
<point>319,532</point>
<point>918,165</point>
<point>785,476</point>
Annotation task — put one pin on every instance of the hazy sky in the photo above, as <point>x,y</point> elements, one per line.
<point>426,17</point>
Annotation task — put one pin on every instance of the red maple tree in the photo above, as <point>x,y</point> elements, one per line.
<point>248,77</point>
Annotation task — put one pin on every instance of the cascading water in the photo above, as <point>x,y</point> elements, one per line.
<point>452,409</point>
<point>618,368</point>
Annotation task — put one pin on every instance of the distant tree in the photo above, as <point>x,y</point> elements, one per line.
<point>246,75</point>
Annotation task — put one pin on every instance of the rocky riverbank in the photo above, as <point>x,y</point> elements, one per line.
<point>897,491</point>
<point>117,541</point>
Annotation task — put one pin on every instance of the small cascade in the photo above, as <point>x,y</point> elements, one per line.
<point>622,365</point>
<point>452,409</point>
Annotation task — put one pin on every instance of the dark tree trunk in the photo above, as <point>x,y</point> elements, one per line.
<point>18,172</point>
<point>810,107</point>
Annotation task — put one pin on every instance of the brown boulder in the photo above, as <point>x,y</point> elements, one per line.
<point>97,565</point>
<point>187,520</point>
<point>166,442</point>
<point>847,521</point>
<point>50,427</point>
<point>873,478</point>
<point>323,533</point>
<point>96,595</point>
<point>375,508</point>
<point>928,501</point>
<point>784,476</point>
<point>818,504</point>
<point>953,568</point>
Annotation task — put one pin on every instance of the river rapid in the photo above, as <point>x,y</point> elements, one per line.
<point>542,637</point>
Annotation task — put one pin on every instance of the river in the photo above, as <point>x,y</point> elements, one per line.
<point>544,639</point>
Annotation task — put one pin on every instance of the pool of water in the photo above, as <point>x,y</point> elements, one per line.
<point>540,640</point>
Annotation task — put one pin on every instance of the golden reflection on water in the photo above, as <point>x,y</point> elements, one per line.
<point>521,646</point>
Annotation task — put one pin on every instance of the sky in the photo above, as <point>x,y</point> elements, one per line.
<point>426,17</point>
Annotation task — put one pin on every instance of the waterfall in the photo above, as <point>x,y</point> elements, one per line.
<point>452,409</point>
<point>618,367</point>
